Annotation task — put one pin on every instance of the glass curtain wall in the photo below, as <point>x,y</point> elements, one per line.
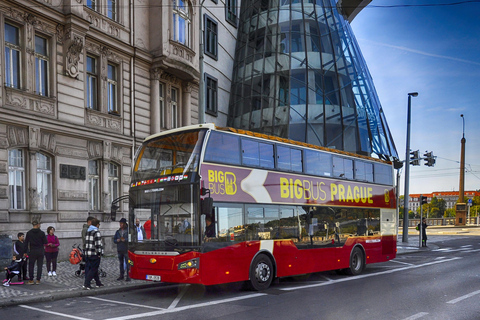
<point>299,74</point>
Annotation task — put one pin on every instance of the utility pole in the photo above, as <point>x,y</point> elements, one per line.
<point>407,170</point>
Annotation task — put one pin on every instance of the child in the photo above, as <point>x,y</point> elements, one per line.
<point>12,270</point>
<point>51,251</point>
<point>20,250</point>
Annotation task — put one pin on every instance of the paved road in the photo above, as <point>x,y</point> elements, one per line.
<point>440,282</point>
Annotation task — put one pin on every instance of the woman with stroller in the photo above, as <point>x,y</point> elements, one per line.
<point>51,251</point>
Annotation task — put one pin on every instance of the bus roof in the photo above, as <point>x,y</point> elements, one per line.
<point>212,126</point>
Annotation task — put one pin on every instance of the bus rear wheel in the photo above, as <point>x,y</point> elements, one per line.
<point>261,273</point>
<point>357,262</point>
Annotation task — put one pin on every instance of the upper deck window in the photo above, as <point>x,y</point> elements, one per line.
<point>289,159</point>
<point>318,163</point>
<point>383,174</point>
<point>224,148</point>
<point>257,154</point>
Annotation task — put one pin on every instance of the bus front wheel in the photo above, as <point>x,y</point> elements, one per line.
<point>261,273</point>
<point>357,262</point>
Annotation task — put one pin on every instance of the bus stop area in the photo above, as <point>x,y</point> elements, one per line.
<point>67,285</point>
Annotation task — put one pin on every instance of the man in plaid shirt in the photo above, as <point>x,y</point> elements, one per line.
<point>93,252</point>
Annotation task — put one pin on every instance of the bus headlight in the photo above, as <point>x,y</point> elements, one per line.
<point>189,264</point>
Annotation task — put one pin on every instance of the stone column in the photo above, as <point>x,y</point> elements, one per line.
<point>32,179</point>
<point>154,101</point>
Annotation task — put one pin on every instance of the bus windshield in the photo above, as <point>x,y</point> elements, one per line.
<point>164,193</point>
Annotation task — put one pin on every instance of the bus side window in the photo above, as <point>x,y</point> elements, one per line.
<point>222,147</point>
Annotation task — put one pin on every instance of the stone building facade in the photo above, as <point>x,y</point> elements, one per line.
<point>83,83</point>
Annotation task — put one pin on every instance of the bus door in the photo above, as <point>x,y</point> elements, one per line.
<point>388,230</point>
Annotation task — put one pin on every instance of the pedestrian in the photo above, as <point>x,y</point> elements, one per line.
<point>51,251</point>
<point>85,229</point>
<point>141,234</point>
<point>20,250</point>
<point>35,241</point>
<point>84,234</point>
<point>423,230</point>
<point>93,253</point>
<point>12,270</point>
<point>121,239</point>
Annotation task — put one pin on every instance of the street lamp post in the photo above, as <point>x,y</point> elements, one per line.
<point>407,170</point>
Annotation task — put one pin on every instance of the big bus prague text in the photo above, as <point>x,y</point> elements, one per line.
<point>222,205</point>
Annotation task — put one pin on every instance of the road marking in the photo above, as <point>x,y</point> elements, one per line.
<point>464,297</point>
<point>179,297</point>
<point>406,263</point>
<point>126,303</point>
<point>200,305</point>
<point>55,313</point>
<point>416,316</point>
<point>369,275</point>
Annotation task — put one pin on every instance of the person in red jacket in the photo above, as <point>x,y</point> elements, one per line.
<point>51,251</point>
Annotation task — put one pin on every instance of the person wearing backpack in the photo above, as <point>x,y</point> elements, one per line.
<point>51,251</point>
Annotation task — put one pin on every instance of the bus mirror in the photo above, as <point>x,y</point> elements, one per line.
<point>206,205</point>
<point>113,212</point>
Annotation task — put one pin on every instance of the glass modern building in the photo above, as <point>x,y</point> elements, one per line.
<point>299,74</point>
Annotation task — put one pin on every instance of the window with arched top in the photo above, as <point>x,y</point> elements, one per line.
<point>181,22</point>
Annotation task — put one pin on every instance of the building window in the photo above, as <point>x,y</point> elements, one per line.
<point>113,181</point>
<point>93,185</point>
<point>92,83</point>
<point>181,22</point>
<point>231,11</point>
<point>211,87</point>
<point>41,66</point>
<point>44,182</point>
<point>211,37</point>
<point>112,9</point>
<point>174,108</point>
<point>16,179</point>
<point>12,56</point>
<point>162,105</point>
<point>112,89</point>
<point>92,4</point>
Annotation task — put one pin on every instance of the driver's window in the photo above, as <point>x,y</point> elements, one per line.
<point>228,225</point>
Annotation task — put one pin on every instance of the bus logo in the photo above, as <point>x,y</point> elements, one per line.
<point>220,182</point>
<point>387,196</point>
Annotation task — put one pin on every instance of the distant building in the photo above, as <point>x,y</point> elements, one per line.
<point>450,198</point>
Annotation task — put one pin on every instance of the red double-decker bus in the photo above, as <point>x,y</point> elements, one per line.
<point>222,205</point>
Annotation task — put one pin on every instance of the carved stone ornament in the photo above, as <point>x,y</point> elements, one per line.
<point>73,56</point>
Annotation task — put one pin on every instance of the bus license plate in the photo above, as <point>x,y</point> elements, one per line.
<point>154,278</point>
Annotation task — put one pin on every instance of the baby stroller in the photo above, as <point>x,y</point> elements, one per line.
<point>77,257</point>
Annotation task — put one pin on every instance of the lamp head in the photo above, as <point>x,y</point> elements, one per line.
<point>413,94</point>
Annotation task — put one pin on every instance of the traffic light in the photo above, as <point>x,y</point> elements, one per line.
<point>415,158</point>
<point>429,159</point>
<point>423,200</point>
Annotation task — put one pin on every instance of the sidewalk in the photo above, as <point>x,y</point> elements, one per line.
<point>66,285</point>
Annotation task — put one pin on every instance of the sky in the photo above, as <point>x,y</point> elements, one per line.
<point>431,47</point>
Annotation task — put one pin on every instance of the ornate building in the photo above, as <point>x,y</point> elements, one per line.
<point>83,82</point>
